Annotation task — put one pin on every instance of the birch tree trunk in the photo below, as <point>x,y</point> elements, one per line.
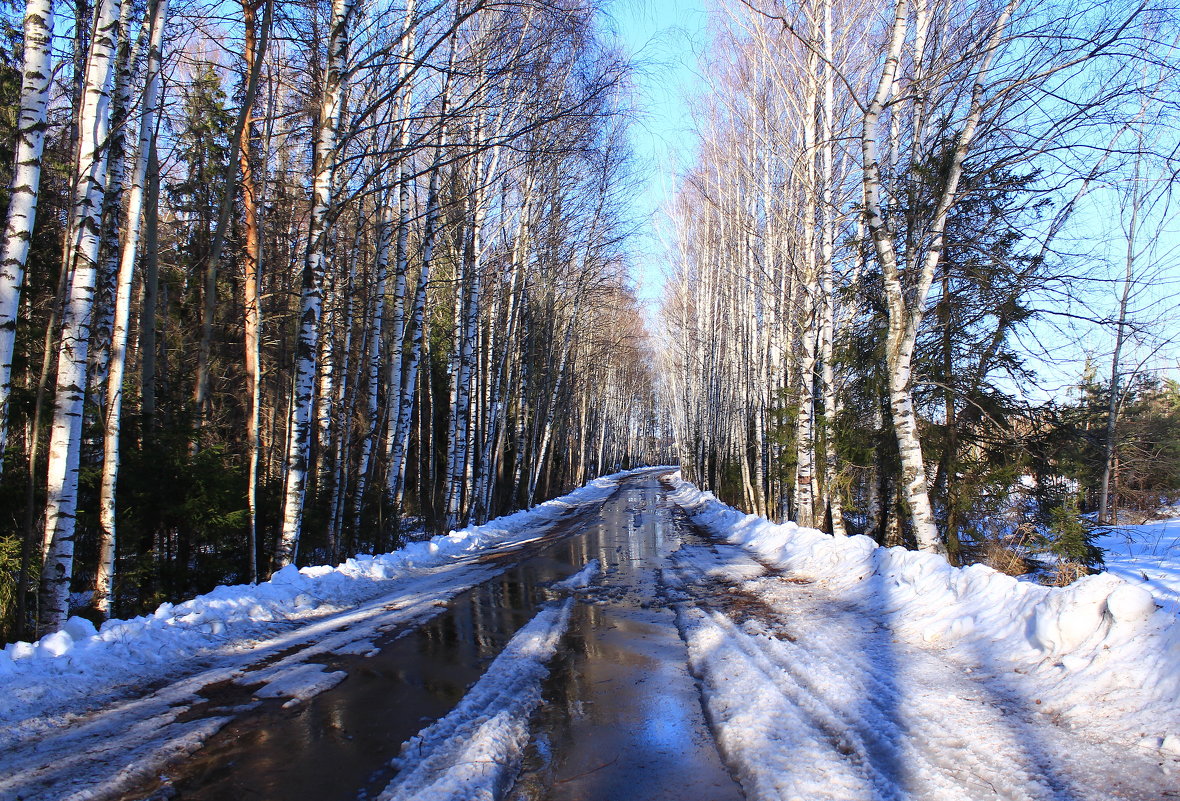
<point>1112,408</point>
<point>385,234</point>
<point>311,302</point>
<point>906,309</point>
<point>402,253</point>
<point>805,494</point>
<point>460,456</point>
<point>105,575</point>
<point>106,283</point>
<point>416,328</point>
<point>25,188</point>
<point>828,227</point>
<point>65,437</point>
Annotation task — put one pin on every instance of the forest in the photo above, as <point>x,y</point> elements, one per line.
<point>900,218</point>
<point>286,282</point>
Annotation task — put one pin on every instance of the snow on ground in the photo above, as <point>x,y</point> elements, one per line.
<point>260,637</point>
<point>580,580</point>
<point>855,671</point>
<point>1147,554</point>
<point>475,751</point>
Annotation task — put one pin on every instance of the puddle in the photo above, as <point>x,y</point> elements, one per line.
<point>622,713</point>
<point>623,717</point>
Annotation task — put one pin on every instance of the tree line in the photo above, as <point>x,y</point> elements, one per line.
<point>283,282</point>
<point>887,225</point>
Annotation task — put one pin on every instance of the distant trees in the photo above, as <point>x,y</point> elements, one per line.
<point>1144,470</point>
<point>366,279</point>
<point>873,220</point>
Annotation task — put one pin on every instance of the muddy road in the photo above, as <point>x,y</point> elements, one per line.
<point>622,717</point>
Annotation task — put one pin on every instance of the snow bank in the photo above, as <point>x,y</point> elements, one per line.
<point>475,751</point>
<point>228,614</point>
<point>1098,652</point>
<point>1148,555</point>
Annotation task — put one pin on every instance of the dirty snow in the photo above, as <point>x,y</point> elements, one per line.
<point>836,669</point>
<point>475,751</point>
<point>70,663</point>
<point>73,717</point>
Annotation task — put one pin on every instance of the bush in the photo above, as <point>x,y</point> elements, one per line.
<point>1067,536</point>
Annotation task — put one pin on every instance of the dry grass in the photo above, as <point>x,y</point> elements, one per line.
<point>1007,558</point>
<point>1065,573</point>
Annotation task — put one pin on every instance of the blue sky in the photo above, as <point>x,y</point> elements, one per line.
<point>664,37</point>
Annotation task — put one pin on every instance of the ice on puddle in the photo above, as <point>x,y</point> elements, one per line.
<point>580,580</point>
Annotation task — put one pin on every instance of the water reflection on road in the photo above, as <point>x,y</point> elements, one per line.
<point>622,717</point>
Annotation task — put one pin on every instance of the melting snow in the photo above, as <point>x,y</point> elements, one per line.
<point>900,657</point>
<point>475,751</point>
<point>1148,555</point>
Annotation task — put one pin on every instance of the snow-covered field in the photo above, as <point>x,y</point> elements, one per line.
<point>887,673</point>
<point>1147,554</point>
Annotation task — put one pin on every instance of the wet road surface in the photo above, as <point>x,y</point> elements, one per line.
<point>622,717</point>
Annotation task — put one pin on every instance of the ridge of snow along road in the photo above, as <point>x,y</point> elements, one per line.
<point>80,658</point>
<point>475,751</point>
<point>1098,654</point>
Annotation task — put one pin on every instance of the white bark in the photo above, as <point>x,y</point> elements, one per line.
<point>311,302</point>
<point>906,308</point>
<point>104,580</point>
<point>828,225</point>
<point>65,438</point>
<point>417,325</point>
<point>101,332</point>
<point>402,266</point>
<point>24,188</point>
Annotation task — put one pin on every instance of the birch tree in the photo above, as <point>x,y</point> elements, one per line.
<point>105,575</point>
<point>36,75</point>
<point>85,237</point>
<point>311,303</point>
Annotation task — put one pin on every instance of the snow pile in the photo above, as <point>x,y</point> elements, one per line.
<point>475,751</point>
<point>580,580</point>
<point>1098,653</point>
<point>175,634</point>
<point>300,683</point>
<point>1147,554</point>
